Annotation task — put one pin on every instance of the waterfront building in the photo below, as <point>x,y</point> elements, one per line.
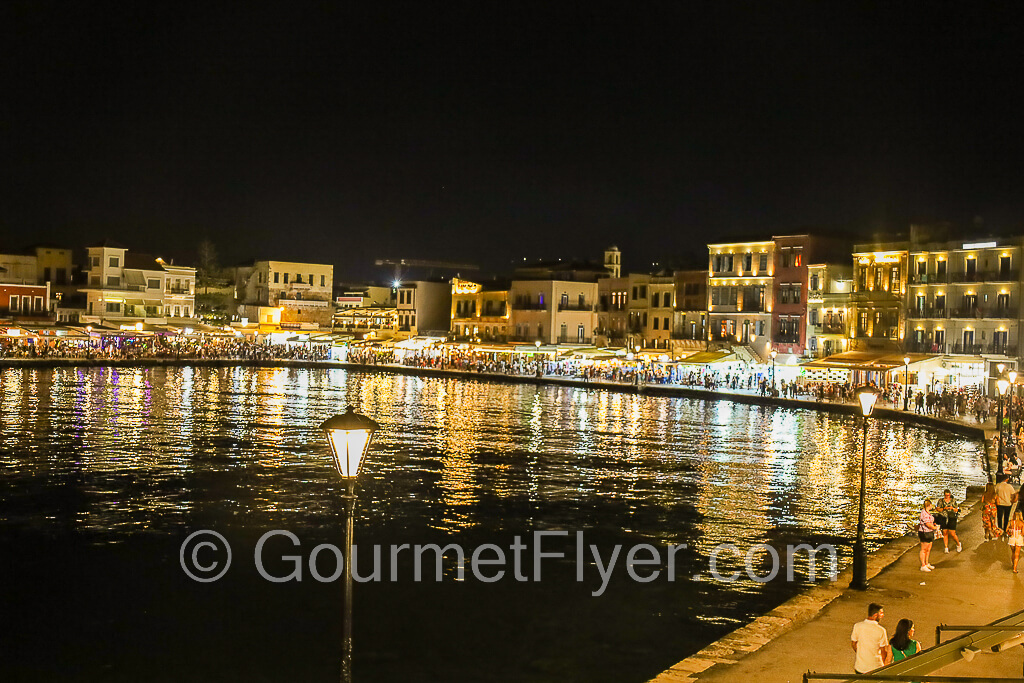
<point>122,287</point>
<point>828,309</point>
<point>424,307</point>
<point>553,311</point>
<point>964,302</point>
<point>877,303</point>
<point>285,293</point>
<point>689,321</point>
<point>740,285</point>
<point>792,289</point>
<point>358,296</point>
<point>480,311</point>
<point>636,311</point>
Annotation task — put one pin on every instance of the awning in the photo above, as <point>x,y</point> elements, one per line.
<point>867,361</point>
<point>707,357</point>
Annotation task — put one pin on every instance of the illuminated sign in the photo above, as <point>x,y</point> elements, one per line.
<point>979,245</point>
<point>465,287</point>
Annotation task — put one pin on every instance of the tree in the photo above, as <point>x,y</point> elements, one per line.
<point>208,268</point>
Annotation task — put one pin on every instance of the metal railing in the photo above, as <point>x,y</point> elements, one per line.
<point>575,307</point>
<point>529,306</point>
<point>986,276</point>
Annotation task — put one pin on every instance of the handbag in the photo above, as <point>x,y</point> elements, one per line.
<point>940,520</point>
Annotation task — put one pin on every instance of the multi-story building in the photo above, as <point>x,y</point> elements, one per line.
<point>690,321</point>
<point>124,287</point>
<point>828,309</point>
<point>792,287</point>
<point>740,283</point>
<point>636,310</point>
<point>480,310</point>
<point>285,293</point>
<point>553,311</point>
<point>424,307</point>
<point>965,297</point>
<point>877,302</point>
<point>373,322</point>
<point>612,310</point>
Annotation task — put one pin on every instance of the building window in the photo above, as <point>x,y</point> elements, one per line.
<point>940,302</point>
<point>655,326</point>
<point>798,259</point>
<point>940,268</point>
<point>95,261</point>
<point>643,291</point>
<point>113,262</point>
<point>322,280</point>
<point>922,267</point>
<point>39,304</point>
<point>153,284</point>
<point>14,303</point>
<point>763,264</point>
<point>113,307</point>
<point>655,300</point>
<point>277,278</point>
<point>748,262</point>
<point>286,278</point>
<point>113,281</point>
<point>565,299</point>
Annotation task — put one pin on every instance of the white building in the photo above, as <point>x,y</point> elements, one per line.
<point>124,287</point>
<point>285,292</point>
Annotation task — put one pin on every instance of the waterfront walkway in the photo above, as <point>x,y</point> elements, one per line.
<point>812,631</point>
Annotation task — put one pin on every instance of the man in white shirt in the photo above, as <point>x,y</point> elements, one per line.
<point>870,642</point>
<point>1004,500</point>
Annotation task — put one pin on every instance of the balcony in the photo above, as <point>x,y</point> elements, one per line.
<point>529,306</point>
<point>987,276</point>
<point>178,290</point>
<point>575,307</point>
<point>978,312</point>
<point>929,279</point>
<point>786,338</point>
<point>574,340</point>
<point>833,329</point>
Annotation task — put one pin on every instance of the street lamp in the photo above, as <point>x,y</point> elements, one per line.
<point>539,371</point>
<point>867,395</point>
<point>1012,374</point>
<point>349,436</point>
<point>773,354</point>
<point>1002,385</point>
<point>906,383</point>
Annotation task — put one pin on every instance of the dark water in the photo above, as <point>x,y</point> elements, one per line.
<point>106,471</point>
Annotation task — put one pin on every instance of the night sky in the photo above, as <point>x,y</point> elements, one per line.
<point>487,132</point>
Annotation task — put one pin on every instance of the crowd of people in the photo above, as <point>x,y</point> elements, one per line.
<point>160,347</point>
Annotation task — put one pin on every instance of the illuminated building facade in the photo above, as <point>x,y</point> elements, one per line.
<point>636,310</point>
<point>740,283</point>
<point>964,298</point>
<point>285,292</point>
<point>879,292</point>
<point>553,311</point>
<point>480,311</point>
<point>828,309</point>
<point>126,287</point>
<point>691,314</point>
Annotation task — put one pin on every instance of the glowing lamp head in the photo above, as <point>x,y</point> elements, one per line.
<point>906,360</point>
<point>774,354</point>
<point>1000,367</point>
<point>537,343</point>
<point>349,436</point>
<point>1012,374</point>
<point>867,395</point>
<point>1002,385</point>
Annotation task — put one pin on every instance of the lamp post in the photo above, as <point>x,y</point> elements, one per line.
<point>1002,385</point>
<point>773,354</point>
<point>539,371</point>
<point>1012,375</point>
<point>906,383</point>
<point>349,436</point>
<point>867,397</point>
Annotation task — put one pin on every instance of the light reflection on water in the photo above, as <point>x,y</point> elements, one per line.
<point>107,454</point>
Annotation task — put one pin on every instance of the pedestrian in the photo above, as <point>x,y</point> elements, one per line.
<point>926,534</point>
<point>988,513</point>
<point>1015,537</point>
<point>950,510</point>
<point>870,642</point>
<point>902,642</point>
<point>1004,499</point>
